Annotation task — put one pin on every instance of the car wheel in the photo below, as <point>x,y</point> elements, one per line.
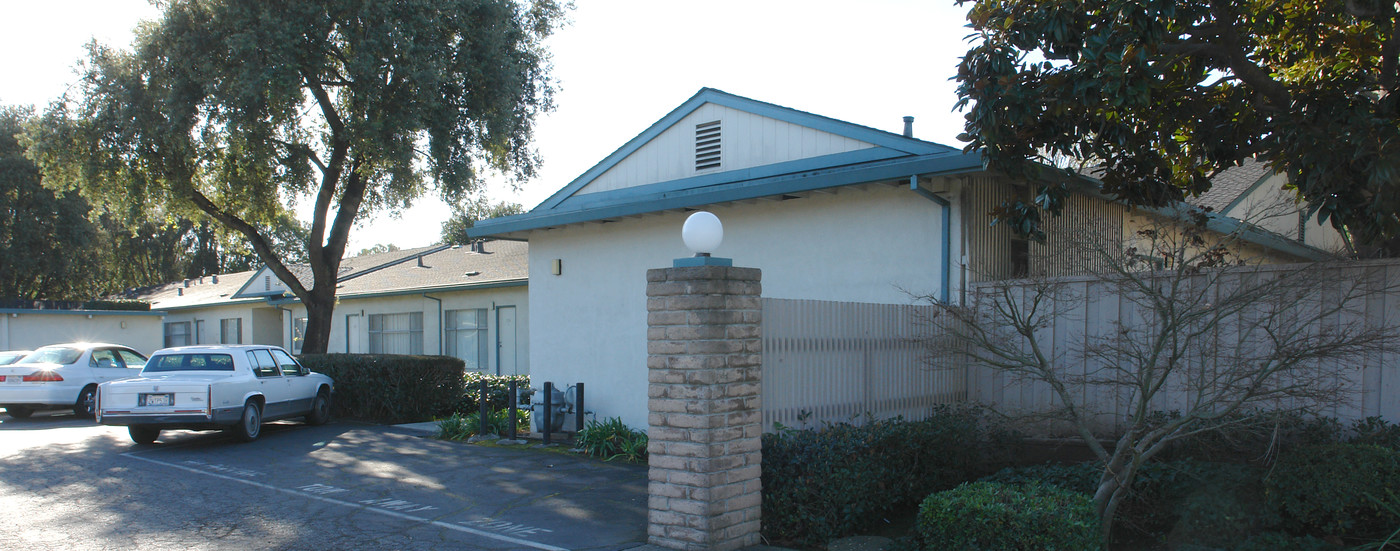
<point>86,405</point>
<point>144,436</point>
<point>250,425</point>
<point>320,409</point>
<point>19,412</point>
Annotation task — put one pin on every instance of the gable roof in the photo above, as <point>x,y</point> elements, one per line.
<point>443,267</point>
<point>889,156</point>
<point>1231,186</point>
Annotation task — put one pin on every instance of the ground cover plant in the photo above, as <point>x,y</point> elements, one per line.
<point>612,439</point>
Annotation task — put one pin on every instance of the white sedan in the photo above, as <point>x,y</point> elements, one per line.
<point>233,388</point>
<point>64,375</point>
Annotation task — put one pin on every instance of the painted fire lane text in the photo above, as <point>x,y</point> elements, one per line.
<point>504,527</point>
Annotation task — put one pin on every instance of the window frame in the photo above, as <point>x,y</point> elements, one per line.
<point>169,335</point>
<point>376,333</point>
<point>452,330</point>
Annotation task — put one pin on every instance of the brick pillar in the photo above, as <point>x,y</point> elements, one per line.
<point>703,360</point>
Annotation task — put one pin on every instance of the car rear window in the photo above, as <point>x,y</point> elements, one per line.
<point>189,362</point>
<point>55,355</point>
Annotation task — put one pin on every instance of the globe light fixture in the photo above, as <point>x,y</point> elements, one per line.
<point>702,233</point>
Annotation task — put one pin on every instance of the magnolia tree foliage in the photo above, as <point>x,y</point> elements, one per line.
<point>233,109</point>
<point>1161,95</point>
<point>1180,331</point>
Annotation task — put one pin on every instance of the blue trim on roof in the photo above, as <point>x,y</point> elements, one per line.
<point>879,138</point>
<point>261,270</point>
<point>626,202</point>
<point>601,198</point>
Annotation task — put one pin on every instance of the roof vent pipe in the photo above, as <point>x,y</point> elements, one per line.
<point>908,126</point>
<point>215,279</point>
<point>187,283</point>
<point>420,261</point>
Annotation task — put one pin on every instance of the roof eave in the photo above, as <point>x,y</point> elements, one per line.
<point>888,169</point>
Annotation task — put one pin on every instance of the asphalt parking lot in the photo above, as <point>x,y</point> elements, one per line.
<point>66,483</point>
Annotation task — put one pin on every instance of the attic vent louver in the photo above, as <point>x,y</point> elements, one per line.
<point>707,145</point>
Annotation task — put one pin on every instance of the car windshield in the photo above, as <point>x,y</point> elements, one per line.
<point>55,355</point>
<point>189,362</point>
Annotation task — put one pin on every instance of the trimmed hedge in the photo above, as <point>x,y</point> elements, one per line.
<point>995,516</point>
<point>1351,490</point>
<point>824,484</point>
<point>391,388</point>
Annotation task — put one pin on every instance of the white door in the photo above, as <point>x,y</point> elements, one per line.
<point>354,342</point>
<point>505,341</point>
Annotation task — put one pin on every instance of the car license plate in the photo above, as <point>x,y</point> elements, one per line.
<point>157,399</point>
<point>12,378</point>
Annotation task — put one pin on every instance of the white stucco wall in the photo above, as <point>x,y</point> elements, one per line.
<point>490,299</point>
<point>208,332</point>
<point>589,323</point>
<point>30,329</point>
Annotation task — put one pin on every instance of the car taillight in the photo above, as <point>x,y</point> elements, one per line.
<point>43,377</point>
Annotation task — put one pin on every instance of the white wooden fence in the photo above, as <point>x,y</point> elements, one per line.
<point>1370,383</point>
<point>846,362</point>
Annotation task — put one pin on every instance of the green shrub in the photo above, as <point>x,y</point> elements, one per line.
<point>612,439</point>
<point>1274,541</point>
<point>390,388</point>
<point>130,305</point>
<point>497,391</point>
<point>1376,431</point>
<point>1337,489</point>
<point>833,482</point>
<point>462,427</point>
<point>995,516</point>
<point>1075,477</point>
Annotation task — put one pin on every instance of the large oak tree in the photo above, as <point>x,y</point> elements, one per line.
<point>1161,95</point>
<point>234,109</point>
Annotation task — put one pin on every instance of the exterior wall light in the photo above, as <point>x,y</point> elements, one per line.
<point>702,234</point>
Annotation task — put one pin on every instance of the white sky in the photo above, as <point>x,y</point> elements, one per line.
<point>622,65</point>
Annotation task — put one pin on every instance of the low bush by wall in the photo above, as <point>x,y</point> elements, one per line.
<point>389,388</point>
<point>838,480</point>
<point>995,516</point>
<point>497,391</point>
<point>1338,489</point>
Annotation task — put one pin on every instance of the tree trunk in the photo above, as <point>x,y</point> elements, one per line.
<point>320,310</point>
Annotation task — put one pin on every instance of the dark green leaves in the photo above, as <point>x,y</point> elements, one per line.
<point>1161,95</point>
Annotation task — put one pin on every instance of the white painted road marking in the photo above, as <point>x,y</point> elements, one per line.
<point>505,527</point>
<point>353,505</point>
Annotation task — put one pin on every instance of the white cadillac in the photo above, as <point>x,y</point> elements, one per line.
<point>233,388</point>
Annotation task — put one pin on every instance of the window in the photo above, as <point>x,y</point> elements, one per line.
<point>177,334</point>
<point>190,362</point>
<point>131,359</point>
<point>465,333</point>
<point>288,366</point>
<point>262,363</point>
<point>298,334</point>
<point>231,331</point>
<point>104,359</point>
<point>396,333</point>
